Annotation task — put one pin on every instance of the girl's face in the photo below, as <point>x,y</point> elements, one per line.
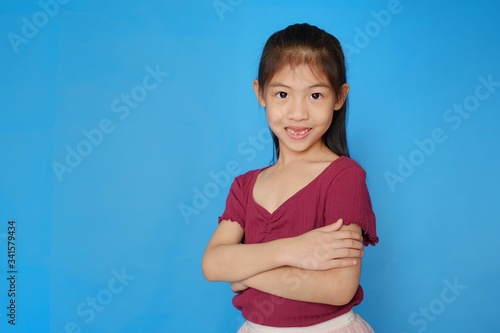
<point>299,107</point>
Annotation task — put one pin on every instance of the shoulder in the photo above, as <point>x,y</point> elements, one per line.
<point>248,178</point>
<point>346,167</point>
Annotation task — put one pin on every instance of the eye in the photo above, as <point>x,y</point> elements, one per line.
<point>282,94</point>
<point>316,96</point>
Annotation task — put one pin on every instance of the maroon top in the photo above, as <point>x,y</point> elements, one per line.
<point>338,192</point>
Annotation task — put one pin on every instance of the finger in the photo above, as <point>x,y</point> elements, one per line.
<point>347,254</point>
<point>340,263</point>
<point>340,236</point>
<point>341,254</point>
<point>335,263</point>
<point>334,226</point>
<point>342,244</point>
<point>344,234</point>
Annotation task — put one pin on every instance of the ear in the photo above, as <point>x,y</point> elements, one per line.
<point>258,93</point>
<point>344,90</point>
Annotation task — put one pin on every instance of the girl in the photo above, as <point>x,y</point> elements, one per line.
<point>290,240</point>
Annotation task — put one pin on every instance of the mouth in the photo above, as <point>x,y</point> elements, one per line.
<point>298,132</point>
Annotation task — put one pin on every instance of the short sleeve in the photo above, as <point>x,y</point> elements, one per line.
<point>235,204</point>
<point>348,198</point>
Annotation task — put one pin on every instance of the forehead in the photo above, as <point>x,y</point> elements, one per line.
<point>300,74</point>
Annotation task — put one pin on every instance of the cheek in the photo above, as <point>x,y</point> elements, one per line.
<point>273,115</point>
<point>330,118</point>
<point>326,118</point>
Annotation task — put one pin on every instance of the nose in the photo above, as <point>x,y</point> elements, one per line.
<point>297,111</point>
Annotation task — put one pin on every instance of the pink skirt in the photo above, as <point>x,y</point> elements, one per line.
<point>349,322</point>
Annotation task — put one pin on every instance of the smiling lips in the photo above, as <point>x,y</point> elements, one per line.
<point>298,133</point>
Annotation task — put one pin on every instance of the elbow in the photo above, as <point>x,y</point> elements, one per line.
<point>207,269</point>
<point>343,297</point>
<point>343,290</point>
<point>208,274</point>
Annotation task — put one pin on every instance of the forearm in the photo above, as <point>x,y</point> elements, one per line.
<point>335,286</point>
<point>237,262</point>
<point>225,259</point>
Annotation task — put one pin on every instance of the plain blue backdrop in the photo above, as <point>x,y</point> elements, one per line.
<point>122,124</point>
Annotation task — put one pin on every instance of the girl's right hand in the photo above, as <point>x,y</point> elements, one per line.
<point>325,248</point>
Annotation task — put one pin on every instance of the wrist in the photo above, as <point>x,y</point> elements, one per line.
<point>283,257</point>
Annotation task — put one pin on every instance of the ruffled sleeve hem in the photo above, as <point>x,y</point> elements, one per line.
<point>369,236</point>
<point>369,239</point>
<point>229,218</point>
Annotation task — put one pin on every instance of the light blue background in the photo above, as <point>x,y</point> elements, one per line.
<point>119,211</point>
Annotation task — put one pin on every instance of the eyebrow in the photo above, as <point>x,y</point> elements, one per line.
<point>316,85</point>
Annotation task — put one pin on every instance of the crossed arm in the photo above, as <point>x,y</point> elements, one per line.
<point>320,266</point>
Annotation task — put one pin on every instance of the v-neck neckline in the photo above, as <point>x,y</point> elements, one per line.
<point>297,193</point>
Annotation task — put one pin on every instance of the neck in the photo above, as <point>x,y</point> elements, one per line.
<point>319,154</point>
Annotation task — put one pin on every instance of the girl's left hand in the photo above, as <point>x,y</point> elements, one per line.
<point>238,286</point>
